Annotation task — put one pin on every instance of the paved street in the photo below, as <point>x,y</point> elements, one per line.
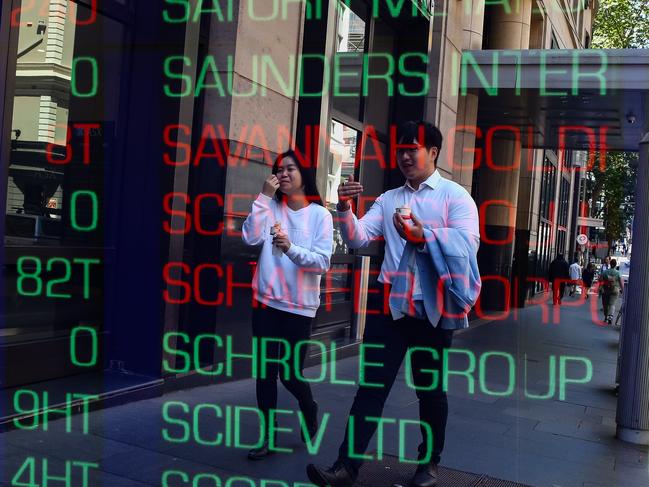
<point>540,442</point>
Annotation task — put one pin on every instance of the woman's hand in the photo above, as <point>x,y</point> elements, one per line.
<point>281,241</point>
<point>270,186</point>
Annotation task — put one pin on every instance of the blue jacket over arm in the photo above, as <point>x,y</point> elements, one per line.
<point>449,276</point>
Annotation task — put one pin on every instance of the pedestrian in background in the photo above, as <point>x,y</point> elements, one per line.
<point>606,264</point>
<point>587,276</point>
<point>575,276</point>
<point>610,288</point>
<point>558,276</point>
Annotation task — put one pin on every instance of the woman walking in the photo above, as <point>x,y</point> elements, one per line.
<point>295,231</point>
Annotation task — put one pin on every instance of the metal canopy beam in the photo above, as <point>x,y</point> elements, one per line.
<point>575,97</point>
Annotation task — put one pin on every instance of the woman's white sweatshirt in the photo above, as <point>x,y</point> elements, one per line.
<point>291,281</point>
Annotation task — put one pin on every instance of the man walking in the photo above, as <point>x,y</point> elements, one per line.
<point>611,286</point>
<point>606,265</point>
<point>558,276</point>
<point>435,217</point>
<point>575,276</point>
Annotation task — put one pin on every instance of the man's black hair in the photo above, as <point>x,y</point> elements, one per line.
<point>409,131</point>
<point>613,263</point>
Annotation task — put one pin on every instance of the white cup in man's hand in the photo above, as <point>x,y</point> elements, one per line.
<point>404,212</point>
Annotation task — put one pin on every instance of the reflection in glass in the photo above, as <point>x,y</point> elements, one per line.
<point>337,289</point>
<point>342,154</point>
<point>350,49</point>
<point>351,30</point>
<point>56,197</point>
<point>51,109</point>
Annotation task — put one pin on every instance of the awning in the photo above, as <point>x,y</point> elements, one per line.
<point>574,97</point>
<point>583,221</point>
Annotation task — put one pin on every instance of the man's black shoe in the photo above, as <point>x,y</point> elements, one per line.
<point>336,476</point>
<point>260,453</point>
<point>311,421</point>
<point>425,476</point>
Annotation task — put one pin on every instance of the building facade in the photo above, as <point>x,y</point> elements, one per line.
<point>157,122</point>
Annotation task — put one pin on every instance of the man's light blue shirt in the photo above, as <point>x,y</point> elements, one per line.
<point>438,203</point>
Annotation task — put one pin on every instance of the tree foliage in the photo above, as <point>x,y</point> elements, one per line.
<point>614,187</point>
<point>621,24</point>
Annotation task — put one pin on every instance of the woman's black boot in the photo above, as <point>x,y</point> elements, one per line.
<point>264,450</point>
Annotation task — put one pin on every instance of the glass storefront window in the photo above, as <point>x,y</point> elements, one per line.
<point>67,89</point>
<point>546,245</point>
<point>342,154</point>
<point>355,104</point>
<point>351,30</point>
<point>350,49</point>
<point>62,169</point>
<point>338,286</point>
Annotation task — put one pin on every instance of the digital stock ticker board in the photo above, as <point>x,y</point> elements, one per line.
<point>298,243</point>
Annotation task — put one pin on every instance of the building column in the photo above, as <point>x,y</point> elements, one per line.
<point>510,29</point>
<point>633,401</point>
<point>472,13</point>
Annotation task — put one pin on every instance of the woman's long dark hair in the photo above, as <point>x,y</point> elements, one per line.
<point>308,178</point>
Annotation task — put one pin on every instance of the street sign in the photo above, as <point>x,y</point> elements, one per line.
<point>582,239</point>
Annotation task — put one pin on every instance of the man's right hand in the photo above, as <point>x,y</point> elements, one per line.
<point>270,186</point>
<point>346,192</point>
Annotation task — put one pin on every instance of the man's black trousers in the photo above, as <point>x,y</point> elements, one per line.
<point>397,337</point>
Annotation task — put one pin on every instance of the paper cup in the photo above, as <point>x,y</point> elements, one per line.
<point>277,252</point>
<point>404,212</point>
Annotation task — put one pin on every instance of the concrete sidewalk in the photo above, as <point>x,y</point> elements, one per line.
<point>541,442</point>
